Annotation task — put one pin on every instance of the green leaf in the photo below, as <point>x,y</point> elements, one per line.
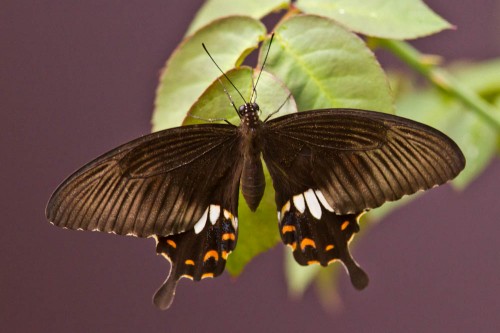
<point>214,9</point>
<point>298,278</point>
<point>394,19</point>
<point>214,103</point>
<point>483,78</point>
<point>326,66</point>
<point>496,102</point>
<point>476,139</point>
<point>189,71</point>
<point>327,287</point>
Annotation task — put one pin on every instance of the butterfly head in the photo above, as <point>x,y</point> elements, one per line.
<point>249,114</point>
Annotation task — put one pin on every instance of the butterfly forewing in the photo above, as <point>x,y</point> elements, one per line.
<point>357,159</point>
<point>160,184</point>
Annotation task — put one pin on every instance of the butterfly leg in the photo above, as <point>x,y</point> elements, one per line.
<point>197,254</point>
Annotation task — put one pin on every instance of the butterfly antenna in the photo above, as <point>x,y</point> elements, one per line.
<point>227,78</point>
<point>278,110</point>
<point>228,95</point>
<point>254,92</point>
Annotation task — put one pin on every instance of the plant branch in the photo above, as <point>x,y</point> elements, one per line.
<point>426,66</point>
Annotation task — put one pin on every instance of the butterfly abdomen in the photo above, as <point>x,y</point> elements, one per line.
<point>253,181</point>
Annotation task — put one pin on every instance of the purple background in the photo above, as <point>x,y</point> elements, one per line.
<point>78,78</point>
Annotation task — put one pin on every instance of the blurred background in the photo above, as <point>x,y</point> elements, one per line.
<point>78,78</point>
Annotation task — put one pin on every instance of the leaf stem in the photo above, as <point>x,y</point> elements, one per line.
<point>426,65</point>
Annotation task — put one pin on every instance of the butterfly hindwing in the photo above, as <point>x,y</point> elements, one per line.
<point>199,253</point>
<point>159,184</point>
<point>317,235</point>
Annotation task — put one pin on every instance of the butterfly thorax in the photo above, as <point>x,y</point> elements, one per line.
<point>252,178</point>
<point>249,114</point>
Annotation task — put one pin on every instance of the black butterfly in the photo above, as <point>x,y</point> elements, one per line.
<point>181,185</point>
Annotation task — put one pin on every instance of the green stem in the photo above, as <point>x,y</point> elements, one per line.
<point>442,79</point>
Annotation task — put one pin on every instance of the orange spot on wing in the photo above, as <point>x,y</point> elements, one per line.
<point>287,228</point>
<point>224,255</point>
<point>207,275</point>
<point>293,246</point>
<point>307,242</point>
<point>312,262</point>
<point>211,254</point>
<point>187,276</point>
<point>329,247</point>
<point>227,236</point>
<point>189,262</point>
<point>344,225</point>
<point>171,243</point>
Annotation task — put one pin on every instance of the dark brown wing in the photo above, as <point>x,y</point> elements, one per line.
<point>357,159</point>
<point>197,254</point>
<point>328,166</point>
<point>160,184</point>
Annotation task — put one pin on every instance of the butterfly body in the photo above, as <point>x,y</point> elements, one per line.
<point>327,167</point>
<point>253,181</point>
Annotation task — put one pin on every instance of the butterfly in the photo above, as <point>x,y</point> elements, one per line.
<point>181,185</point>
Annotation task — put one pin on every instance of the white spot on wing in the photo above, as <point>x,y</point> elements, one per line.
<point>285,208</point>
<point>279,216</point>
<point>323,201</point>
<point>298,201</point>
<point>214,213</point>
<point>313,204</point>
<point>198,227</point>
<point>228,215</point>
